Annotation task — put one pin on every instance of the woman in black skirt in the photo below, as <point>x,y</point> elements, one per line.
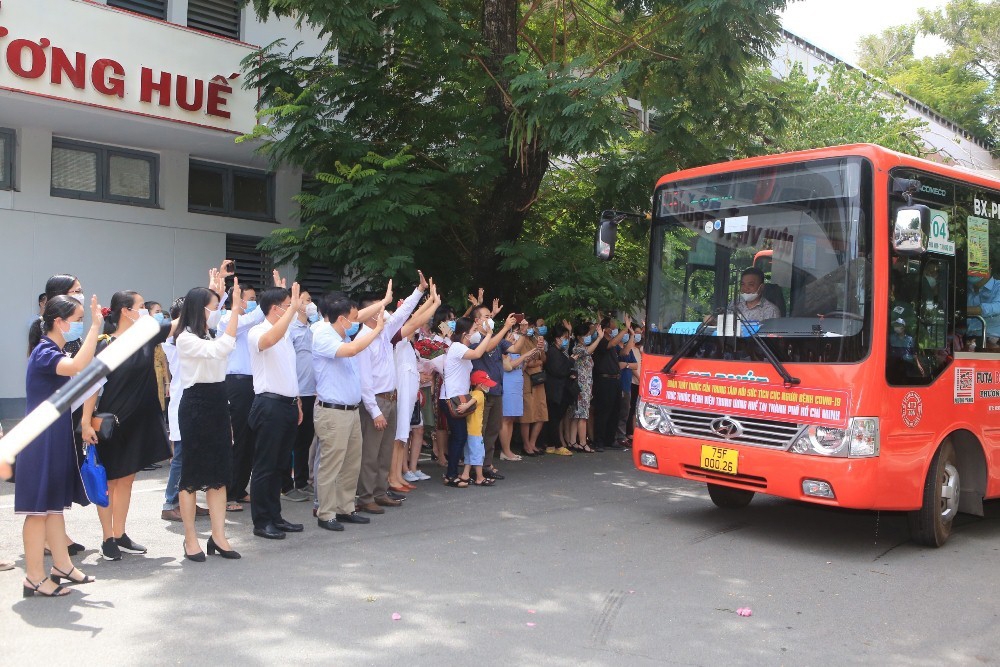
<point>203,417</point>
<point>140,436</point>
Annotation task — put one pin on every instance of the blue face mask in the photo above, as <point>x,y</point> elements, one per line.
<point>588,339</point>
<point>251,306</point>
<point>451,325</point>
<point>314,317</point>
<point>625,338</point>
<point>543,330</point>
<point>564,344</point>
<point>160,317</point>
<point>614,332</point>
<point>352,331</point>
<point>531,332</point>
<point>75,332</point>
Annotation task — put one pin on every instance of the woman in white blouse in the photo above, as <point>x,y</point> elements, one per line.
<point>204,418</point>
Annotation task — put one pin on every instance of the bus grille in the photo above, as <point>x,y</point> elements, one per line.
<point>709,476</point>
<point>756,432</point>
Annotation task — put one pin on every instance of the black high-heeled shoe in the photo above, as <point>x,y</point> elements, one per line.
<point>197,558</point>
<point>213,548</point>
<point>68,576</point>
<point>29,591</point>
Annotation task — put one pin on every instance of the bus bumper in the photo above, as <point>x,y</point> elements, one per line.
<point>856,483</point>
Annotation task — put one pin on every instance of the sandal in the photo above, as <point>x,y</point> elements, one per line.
<point>233,506</point>
<point>29,591</point>
<point>457,483</point>
<point>515,457</point>
<point>492,473</point>
<point>68,576</point>
<point>485,481</point>
<point>6,565</point>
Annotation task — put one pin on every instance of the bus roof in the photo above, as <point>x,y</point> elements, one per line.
<point>882,157</point>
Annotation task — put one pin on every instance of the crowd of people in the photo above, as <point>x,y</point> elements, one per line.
<point>281,395</point>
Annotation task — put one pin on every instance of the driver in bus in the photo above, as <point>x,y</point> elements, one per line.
<point>751,304</point>
<point>984,301</point>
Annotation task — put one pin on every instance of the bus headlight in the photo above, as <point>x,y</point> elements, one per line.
<point>860,439</point>
<point>653,418</point>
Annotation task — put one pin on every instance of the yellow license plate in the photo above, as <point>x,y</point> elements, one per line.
<point>720,459</point>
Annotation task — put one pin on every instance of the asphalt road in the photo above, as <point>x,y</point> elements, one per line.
<point>570,561</point>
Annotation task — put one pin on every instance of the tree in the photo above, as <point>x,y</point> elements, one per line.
<point>428,143</point>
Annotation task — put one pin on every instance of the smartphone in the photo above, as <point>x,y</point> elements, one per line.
<point>518,317</point>
<point>231,266</point>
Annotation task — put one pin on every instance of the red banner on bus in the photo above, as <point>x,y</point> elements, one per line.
<point>820,407</point>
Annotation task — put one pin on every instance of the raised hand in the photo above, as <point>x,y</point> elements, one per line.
<point>278,280</point>
<point>472,300</point>
<point>224,269</point>
<point>96,318</point>
<point>423,281</point>
<point>496,308</point>
<point>380,321</point>
<point>509,322</point>
<point>481,293</point>
<point>599,332</point>
<point>628,322</point>
<point>296,291</point>
<point>388,294</point>
<point>237,295</point>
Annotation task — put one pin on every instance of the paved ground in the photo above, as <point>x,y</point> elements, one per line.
<point>570,561</point>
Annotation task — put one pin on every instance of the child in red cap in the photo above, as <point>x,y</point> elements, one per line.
<point>475,451</point>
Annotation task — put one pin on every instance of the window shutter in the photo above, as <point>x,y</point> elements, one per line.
<point>253,267</point>
<point>155,8</point>
<point>74,170</point>
<point>219,17</point>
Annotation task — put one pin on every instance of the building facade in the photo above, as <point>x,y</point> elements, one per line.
<point>118,155</point>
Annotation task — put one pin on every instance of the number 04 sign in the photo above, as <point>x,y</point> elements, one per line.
<point>939,240</point>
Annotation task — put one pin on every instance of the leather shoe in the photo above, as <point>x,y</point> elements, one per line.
<point>329,524</point>
<point>270,532</point>
<point>387,502</point>
<point>395,496</point>
<point>353,517</point>
<point>288,527</point>
<point>171,515</point>
<point>200,511</point>
<point>370,508</point>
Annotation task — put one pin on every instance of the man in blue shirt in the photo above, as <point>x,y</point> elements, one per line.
<point>983,300</point>
<point>338,397</point>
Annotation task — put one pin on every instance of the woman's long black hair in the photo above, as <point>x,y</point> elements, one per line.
<point>58,285</point>
<point>123,299</point>
<point>57,307</point>
<point>192,317</point>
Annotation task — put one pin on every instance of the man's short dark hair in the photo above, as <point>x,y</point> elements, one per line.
<point>333,307</point>
<point>753,271</point>
<point>41,298</point>
<point>367,299</point>
<point>272,296</point>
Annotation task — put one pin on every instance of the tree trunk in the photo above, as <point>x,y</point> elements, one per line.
<point>505,206</point>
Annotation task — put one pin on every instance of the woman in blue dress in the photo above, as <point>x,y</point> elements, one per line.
<point>48,478</point>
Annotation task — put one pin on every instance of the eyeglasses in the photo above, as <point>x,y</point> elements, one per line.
<point>283,308</point>
<point>79,290</point>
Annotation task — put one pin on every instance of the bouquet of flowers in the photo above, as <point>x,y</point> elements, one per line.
<point>429,349</point>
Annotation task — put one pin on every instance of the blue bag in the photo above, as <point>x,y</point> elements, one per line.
<point>95,478</point>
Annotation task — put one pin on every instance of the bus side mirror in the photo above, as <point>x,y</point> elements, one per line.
<point>911,229</point>
<point>607,236</point>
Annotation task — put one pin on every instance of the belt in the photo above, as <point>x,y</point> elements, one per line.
<point>239,376</point>
<point>278,397</point>
<point>607,376</point>
<point>387,395</point>
<point>336,406</point>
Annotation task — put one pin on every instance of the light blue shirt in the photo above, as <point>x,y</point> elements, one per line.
<point>337,378</point>
<point>988,299</point>
<point>302,339</point>
<point>239,360</point>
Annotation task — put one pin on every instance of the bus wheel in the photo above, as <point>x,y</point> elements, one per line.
<point>728,497</point>
<point>931,524</point>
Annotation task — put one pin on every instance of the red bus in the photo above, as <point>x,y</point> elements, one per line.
<point>864,370</point>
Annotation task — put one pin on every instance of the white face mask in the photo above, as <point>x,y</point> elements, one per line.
<point>747,298</point>
<point>213,318</point>
<point>311,310</point>
<point>476,338</point>
<point>490,324</point>
<point>77,296</point>
<point>143,312</point>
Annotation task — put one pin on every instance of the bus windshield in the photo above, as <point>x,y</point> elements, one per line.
<point>783,252</point>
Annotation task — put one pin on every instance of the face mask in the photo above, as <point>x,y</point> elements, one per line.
<point>160,317</point>
<point>531,332</point>
<point>75,332</point>
<point>588,339</point>
<point>476,338</point>
<point>542,330</point>
<point>353,329</point>
<point>625,338</point>
<point>747,298</point>
<point>564,344</point>
<point>638,337</point>
<point>312,312</point>
<point>251,306</point>
<point>78,297</point>
<point>614,332</point>
<point>490,324</point>
<point>143,312</point>
<point>451,325</point>
<point>213,318</point>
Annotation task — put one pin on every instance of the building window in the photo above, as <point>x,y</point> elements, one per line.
<point>230,191</point>
<point>253,267</point>
<point>7,141</point>
<point>219,17</point>
<point>155,8</point>
<point>103,173</point>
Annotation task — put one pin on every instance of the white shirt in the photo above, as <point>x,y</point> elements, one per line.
<point>176,388</point>
<point>239,360</point>
<point>376,363</point>
<point>203,361</point>
<point>457,372</point>
<point>274,368</point>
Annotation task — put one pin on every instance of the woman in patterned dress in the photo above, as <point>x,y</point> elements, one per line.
<point>582,354</point>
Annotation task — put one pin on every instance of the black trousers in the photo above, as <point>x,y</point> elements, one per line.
<point>300,450</point>
<point>607,392</point>
<point>239,392</point>
<point>274,423</point>
<point>550,432</point>
<point>457,436</point>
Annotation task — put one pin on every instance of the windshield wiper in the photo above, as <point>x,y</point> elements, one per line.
<point>768,354</point>
<point>696,338</point>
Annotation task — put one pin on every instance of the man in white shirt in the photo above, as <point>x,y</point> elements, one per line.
<point>276,411</point>
<point>377,366</point>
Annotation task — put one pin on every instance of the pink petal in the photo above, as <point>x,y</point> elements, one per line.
<point>744,611</point>
<point>531,611</point>
<point>530,625</point>
<point>396,617</point>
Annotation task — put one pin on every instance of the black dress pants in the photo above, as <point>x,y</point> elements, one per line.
<point>274,423</point>
<point>550,432</point>
<point>239,392</point>
<point>300,450</point>
<point>607,393</point>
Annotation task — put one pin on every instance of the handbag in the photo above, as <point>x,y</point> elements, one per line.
<point>95,478</point>
<point>103,424</point>
<point>417,414</point>
<point>537,378</point>
<point>455,403</point>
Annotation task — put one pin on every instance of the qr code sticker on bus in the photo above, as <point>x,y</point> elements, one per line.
<point>965,385</point>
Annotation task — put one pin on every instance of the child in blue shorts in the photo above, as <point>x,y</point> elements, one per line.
<point>475,452</point>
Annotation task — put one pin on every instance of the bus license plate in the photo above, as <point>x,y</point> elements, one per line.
<point>719,459</point>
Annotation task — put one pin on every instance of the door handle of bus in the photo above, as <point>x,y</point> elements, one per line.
<point>982,319</point>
